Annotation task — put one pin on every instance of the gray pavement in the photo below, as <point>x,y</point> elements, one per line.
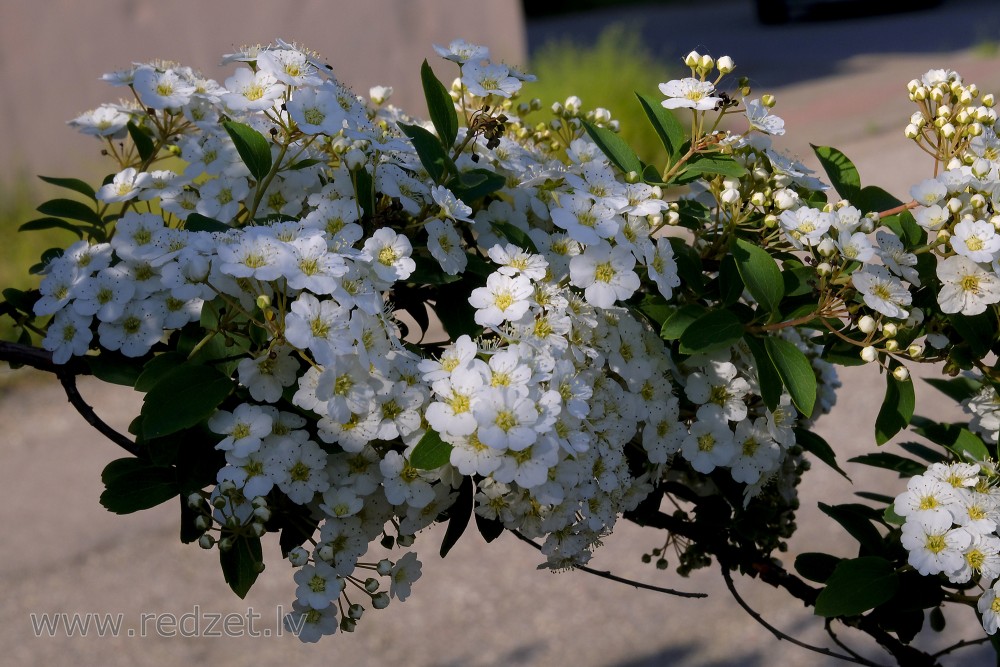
<point>483,605</point>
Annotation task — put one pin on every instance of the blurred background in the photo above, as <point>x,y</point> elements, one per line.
<point>839,71</point>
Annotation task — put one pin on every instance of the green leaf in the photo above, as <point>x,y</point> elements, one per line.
<point>440,107</point>
<point>432,155</point>
<point>72,209</point>
<point>156,368</point>
<point>458,515</point>
<point>816,566</point>
<point>675,325</point>
<point>874,199</point>
<point>50,223</point>
<point>364,190</point>
<point>890,516</point>
<point>976,330</point>
<point>970,446</point>
<point>431,452</point>
<point>21,300</point>
<point>114,368</point>
<point>718,165</point>
<point>656,308</point>
<point>904,466</point>
<point>897,408</point>
<point>45,259</point>
<point>730,282</point>
<point>183,397</point>
<point>132,484</point>
<point>857,521</point>
<point>954,437</point>
<point>253,147</point>
<point>616,148</point>
<point>857,585</point>
<point>74,184</point>
<point>666,125</point>
<point>196,222</point>
<point>795,371</point>
<point>143,142</point>
<point>760,274</point>
<point>715,330</point>
<point>514,234</point>
<point>242,563</point>
<point>818,447</point>
<point>843,174</point>
<point>767,374</point>
<point>470,186</point>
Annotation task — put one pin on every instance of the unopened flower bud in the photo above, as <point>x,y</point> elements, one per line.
<point>988,100</point>
<point>371,584</point>
<point>206,541</point>
<point>824,269</point>
<point>962,117</point>
<point>936,94</point>
<point>826,247</point>
<point>768,100</point>
<point>911,131</point>
<point>298,557</point>
<point>919,94</point>
<point>602,116</point>
<point>706,63</point>
<point>573,104</point>
<point>262,513</point>
<point>202,522</point>
<point>195,500</point>
<point>348,624</point>
<point>555,124</point>
<point>889,330</point>
<point>258,529</point>
<point>974,129</point>
<point>725,65</point>
<point>654,219</point>
<point>632,177</point>
<point>891,345</point>
<point>225,544</point>
<point>673,218</point>
<point>948,130</point>
<point>729,196</point>
<point>326,553</point>
<point>867,324</point>
<point>557,108</point>
<point>405,540</point>
<point>355,611</point>
<point>380,600</point>
<point>758,199</point>
<point>900,373</point>
<point>915,351</point>
<point>868,354</point>
<point>977,200</point>
<point>955,205</point>
<point>692,59</point>
<point>770,221</point>
<point>867,226</point>
<point>384,567</point>
<point>355,159</point>
<point>912,85</point>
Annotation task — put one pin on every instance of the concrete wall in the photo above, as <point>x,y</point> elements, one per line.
<point>53,51</point>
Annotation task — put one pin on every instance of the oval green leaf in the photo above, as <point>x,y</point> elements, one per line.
<point>760,274</point>
<point>182,398</point>
<point>857,585</point>
<point>714,330</point>
<point>795,371</point>
<point>617,150</point>
<point>431,452</point>
<point>253,147</point>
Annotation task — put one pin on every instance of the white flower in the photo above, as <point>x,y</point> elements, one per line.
<point>966,287</point>
<point>710,443</point>
<point>299,469</point>
<point>976,239</point>
<point>856,248</point>
<point>138,328</point>
<point>255,254</point>
<point>403,483</point>
<point>514,260</point>
<point>605,274</point>
<point>445,245</point>
<point>484,78</point>
<point>989,607</point>
<point>251,91</point>
<point>806,226</point>
<point>68,335</point>
<point>318,585</point>
<point>929,192</point>
<point>105,121</point>
<point>389,254</point>
<point>268,375</point>
<point>934,547</point>
<point>506,418</point>
<point>926,496</point>
<point>460,51</point>
<point>309,624</point>
<point>931,217</point>
<point>689,93</point>
<point>757,115</point>
<point>882,291</point>
<point>503,299</point>
<point>452,207</point>
<point>121,188</point>
<point>161,90</point>
<point>244,428</point>
<point>289,66</point>
<point>404,572</point>
<point>317,110</point>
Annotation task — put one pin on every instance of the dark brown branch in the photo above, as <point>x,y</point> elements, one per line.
<point>781,635</point>
<point>15,353</point>
<point>961,644</point>
<point>614,577</point>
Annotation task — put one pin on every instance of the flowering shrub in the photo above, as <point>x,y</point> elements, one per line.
<point>349,324</point>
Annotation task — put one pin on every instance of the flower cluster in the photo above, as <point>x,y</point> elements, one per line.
<point>950,523</point>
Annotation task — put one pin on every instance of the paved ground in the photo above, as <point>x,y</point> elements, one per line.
<point>481,606</point>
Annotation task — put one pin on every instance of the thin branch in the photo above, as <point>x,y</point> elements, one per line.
<point>837,640</point>
<point>781,635</point>
<point>26,355</point>
<point>961,644</point>
<point>614,577</point>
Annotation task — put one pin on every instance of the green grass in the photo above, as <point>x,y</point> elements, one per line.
<point>607,74</point>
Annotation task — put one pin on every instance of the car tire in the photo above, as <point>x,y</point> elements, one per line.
<point>772,12</point>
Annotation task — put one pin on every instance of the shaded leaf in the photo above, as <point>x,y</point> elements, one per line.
<point>796,372</point>
<point>843,174</point>
<point>857,585</point>
<point>253,147</point>
<point>72,209</point>
<point>818,447</point>
<point>458,515</point>
<point>183,397</point>
<point>143,142</point>
<point>816,566</point>
<point>904,466</point>
<point>51,223</point>
<point>242,563</point>
<point>767,375</point>
<point>440,106</point>
<point>615,148</point>
<point>431,452</point>
<point>132,484</point>
<point>760,273</point>
<point>857,521</point>
<point>714,330</point>
<point>897,408</point>
<point>667,127</point>
<point>432,155</point>
<point>74,184</point>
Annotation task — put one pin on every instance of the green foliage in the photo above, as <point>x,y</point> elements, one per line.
<point>606,74</point>
<point>431,452</point>
<point>856,586</point>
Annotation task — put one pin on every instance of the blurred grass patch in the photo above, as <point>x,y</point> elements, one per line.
<point>606,74</point>
<point>20,250</point>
